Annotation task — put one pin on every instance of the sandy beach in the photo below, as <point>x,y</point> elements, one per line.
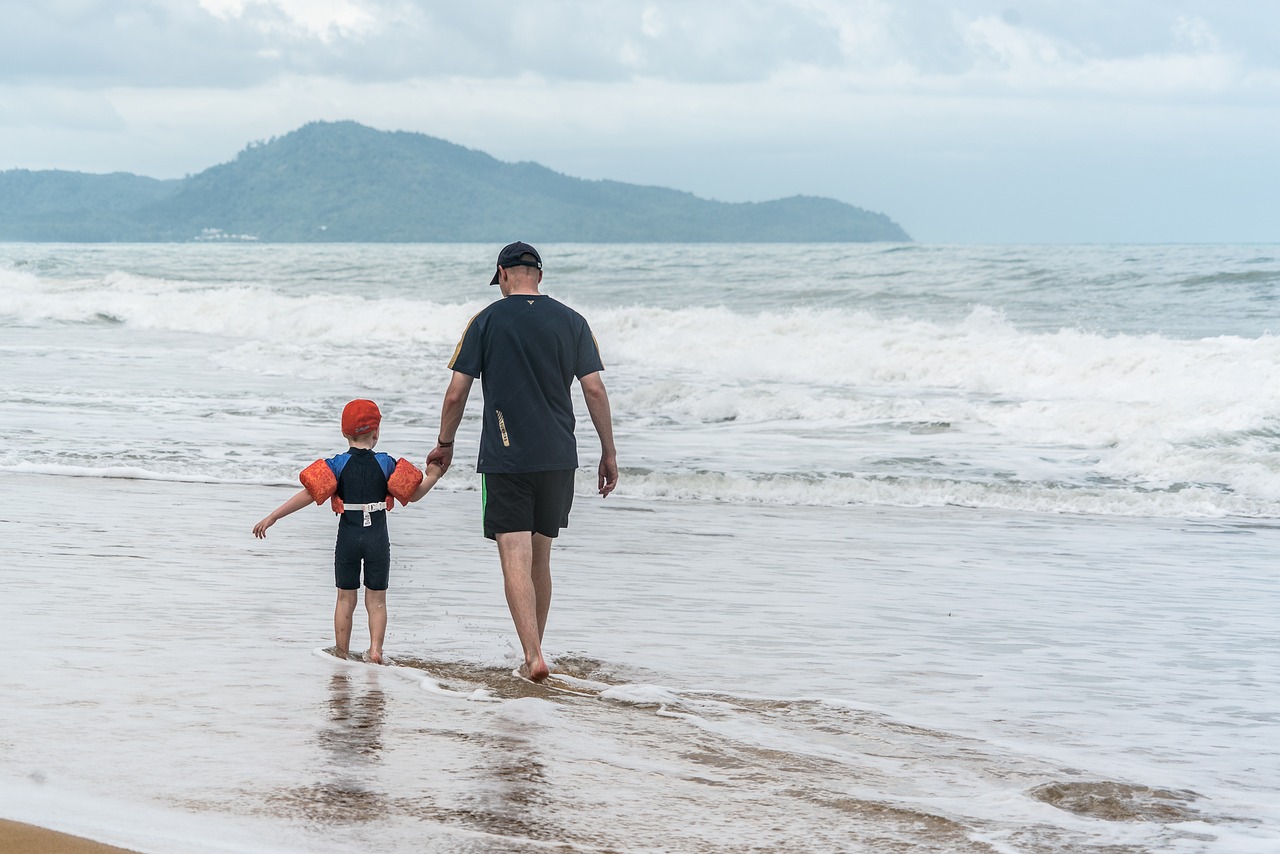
<point>18,838</point>
<point>183,659</point>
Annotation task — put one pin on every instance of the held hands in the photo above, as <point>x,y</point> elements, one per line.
<point>442,456</point>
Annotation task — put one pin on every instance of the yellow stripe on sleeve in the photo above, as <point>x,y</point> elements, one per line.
<point>458,348</point>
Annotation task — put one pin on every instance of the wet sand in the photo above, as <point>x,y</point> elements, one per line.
<point>1008,683</point>
<point>18,838</point>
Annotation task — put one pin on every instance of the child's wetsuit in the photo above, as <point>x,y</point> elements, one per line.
<point>362,479</point>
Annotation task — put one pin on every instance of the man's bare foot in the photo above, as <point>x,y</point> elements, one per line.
<point>373,657</point>
<point>339,652</point>
<point>536,670</point>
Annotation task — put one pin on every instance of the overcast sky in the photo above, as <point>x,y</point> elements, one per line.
<point>963,120</point>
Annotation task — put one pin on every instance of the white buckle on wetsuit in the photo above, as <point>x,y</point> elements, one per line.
<point>367,508</point>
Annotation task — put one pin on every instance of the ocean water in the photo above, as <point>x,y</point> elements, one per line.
<point>1120,380</point>
<point>916,548</point>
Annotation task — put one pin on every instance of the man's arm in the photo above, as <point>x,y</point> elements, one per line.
<point>598,405</point>
<point>455,401</point>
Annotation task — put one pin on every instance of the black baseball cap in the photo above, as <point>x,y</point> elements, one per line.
<point>510,256</point>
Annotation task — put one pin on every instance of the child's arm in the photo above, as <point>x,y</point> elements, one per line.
<point>294,504</point>
<point>433,474</point>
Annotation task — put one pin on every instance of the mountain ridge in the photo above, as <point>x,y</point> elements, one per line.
<point>345,182</point>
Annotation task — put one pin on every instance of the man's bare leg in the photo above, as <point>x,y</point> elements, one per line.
<point>343,610</point>
<point>515,550</point>
<point>541,573</point>
<point>375,603</point>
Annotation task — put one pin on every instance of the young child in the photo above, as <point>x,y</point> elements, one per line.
<point>361,486</point>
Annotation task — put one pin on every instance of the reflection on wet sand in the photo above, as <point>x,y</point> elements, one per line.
<point>352,738</point>
<point>512,788</point>
<point>504,765</point>
<point>353,733</point>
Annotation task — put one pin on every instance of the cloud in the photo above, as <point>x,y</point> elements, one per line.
<point>930,45</point>
<point>96,45</point>
<point>248,42</point>
<point>1195,33</point>
<point>853,98</point>
<point>325,20</point>
<point>1020,60</point>
<point>657,72</point>
<point>37,107</point>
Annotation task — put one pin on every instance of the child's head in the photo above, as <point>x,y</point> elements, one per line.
<point>360,421</point>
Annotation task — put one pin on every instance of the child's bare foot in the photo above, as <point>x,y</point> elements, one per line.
<point>535,670</point>
<point>373,656</point>
<point>339,652</point>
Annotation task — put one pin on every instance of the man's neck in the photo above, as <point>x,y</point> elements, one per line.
<point>524,292</point>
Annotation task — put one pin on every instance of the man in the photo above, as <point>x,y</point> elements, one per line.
<point>526,348</point>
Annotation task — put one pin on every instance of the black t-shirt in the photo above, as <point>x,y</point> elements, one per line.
<point>526,349</point>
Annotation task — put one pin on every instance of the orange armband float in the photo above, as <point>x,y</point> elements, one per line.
<point>404,482</point>
<point>319,481</point>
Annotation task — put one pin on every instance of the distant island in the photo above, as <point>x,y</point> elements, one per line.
<point>344,182</point>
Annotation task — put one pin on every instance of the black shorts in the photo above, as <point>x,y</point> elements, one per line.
<point>359,545</point>
<point>537,501</point>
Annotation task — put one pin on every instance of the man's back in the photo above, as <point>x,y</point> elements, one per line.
<point>527,349</point>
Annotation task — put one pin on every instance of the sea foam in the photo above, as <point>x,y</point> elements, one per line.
<point>803,404</point>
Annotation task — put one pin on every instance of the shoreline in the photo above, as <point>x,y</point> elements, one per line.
<point>957,615</point>
<point>21,838</point>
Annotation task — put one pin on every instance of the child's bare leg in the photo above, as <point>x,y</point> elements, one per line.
<point>342,614</point>
<point>375,602</point>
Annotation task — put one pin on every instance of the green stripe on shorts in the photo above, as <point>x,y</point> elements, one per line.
<point>484,499</point>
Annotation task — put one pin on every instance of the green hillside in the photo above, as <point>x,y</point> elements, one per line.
<point>349,183</point>
<point>73,206</point>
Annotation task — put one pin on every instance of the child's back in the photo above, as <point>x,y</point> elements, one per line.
<point>359,484</point>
